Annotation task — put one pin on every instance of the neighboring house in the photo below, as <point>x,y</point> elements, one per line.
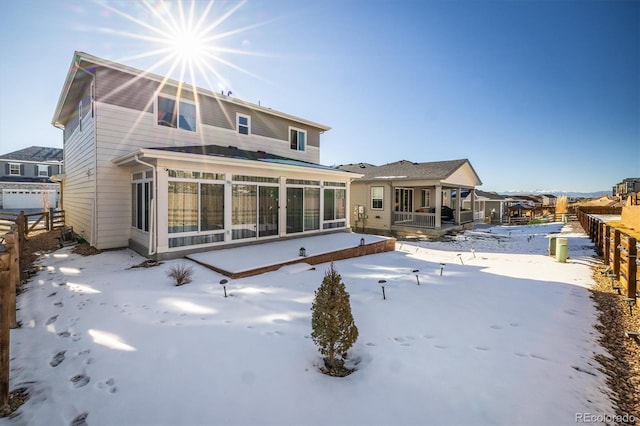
<point>405,198</point>
<point>167,168</point>
<point>25,178</point>
<point>489,206</point>
<point>548,200</point>
<point>627,187</point>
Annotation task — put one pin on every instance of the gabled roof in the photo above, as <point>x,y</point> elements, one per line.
<point>409,170</point>
<point>84,65</point>
<point>35,154</point>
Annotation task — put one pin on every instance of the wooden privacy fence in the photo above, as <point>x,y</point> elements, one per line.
<point>46,220</point>
<point>9,280</point>
<point>618,248</point>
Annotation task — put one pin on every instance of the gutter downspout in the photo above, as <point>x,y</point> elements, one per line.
<point>152,246</point>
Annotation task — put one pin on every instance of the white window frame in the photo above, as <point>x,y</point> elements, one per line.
<point>239,126</point>
<point>377,198</point>
<point>43,168</point>
<point>178,102</point>
<point>426,198</point>
<point>12,171</point>
<point>304,143</point>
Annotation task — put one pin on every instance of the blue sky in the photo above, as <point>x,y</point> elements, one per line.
<point>538,95</point>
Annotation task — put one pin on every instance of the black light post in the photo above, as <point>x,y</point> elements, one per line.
<point>223,283</point>
<point>415,271</point>
<point>382,282</point>
<point>441,268</point>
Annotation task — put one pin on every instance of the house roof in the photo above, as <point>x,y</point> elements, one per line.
<point>243,154</point>
<point>84,64</point>
<point>490,195</point>
<point>229,155</point>
<point>409,170</point>
<point>35,154</point>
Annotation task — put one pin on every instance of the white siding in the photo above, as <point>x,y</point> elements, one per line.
<point>130,129</point>
<point>79,182</point>
<point>120,131</point>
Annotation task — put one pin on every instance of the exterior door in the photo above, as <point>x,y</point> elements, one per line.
<point>404,200</point>
<point>268,211</point>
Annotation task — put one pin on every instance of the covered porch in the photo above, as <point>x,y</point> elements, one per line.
<point>433,210</point>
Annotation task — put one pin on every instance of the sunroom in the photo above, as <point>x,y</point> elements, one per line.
<point>193,198</point>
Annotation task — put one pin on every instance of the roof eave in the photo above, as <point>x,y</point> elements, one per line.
<point>131,159</point>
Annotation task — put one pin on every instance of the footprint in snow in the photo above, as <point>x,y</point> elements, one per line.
<point>80,380</point>
<point>370,344</point>
<point>538,357</point>
<point>107,385</point>
<point>57,359</point>
<point>64,334</point>
<point>80,420</point>
<point>58,304</point>
<point>482,348</point>
<point>51,320</point>
<point>496,327</point>
<point>440,346</point>
<point>514,324</point>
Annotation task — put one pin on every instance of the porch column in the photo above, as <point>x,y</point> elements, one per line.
<point>458,205</point>
<point>438,206</point>
<point>282,208</point>
<point>473,204</point>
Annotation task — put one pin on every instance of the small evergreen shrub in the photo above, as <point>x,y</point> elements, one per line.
<point>181,273</point>
<point>334,331</point>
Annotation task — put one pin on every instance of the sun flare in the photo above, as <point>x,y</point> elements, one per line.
<point>189,37</point>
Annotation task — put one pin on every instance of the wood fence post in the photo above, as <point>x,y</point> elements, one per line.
<point>21,221</point>
<point>5,264</point>
<point>616,252</point>
<point>14,276</point>
<point>632,279</point>
<point>607,243</point>
<point>50,220</point>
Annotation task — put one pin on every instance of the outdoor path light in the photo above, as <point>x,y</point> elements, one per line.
<point>303,252</point>
<point>382,283</point>
<point>631,301</point>
<point>223,283</point>
<point>415,271</point>
<point>460,257</point>
<point>441,268</point>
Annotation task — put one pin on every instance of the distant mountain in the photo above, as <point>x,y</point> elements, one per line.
<point>596,194</point>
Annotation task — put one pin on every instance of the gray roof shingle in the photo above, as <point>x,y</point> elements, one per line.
<point>405,169</point>
<point>35,153</point>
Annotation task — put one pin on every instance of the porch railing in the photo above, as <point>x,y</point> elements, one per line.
<point>421,220</point>
<point>466,216</point>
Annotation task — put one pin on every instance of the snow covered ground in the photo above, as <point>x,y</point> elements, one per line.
<point>503,336</point>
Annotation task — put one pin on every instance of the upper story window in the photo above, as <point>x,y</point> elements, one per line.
<point>43,170</point>
<point>297,138</point>
<point>176,114</point>
<point>14,169</point>
<point>243,124</point>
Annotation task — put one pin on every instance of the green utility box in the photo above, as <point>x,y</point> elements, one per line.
<point>552,246</point>
<point>562,248</point>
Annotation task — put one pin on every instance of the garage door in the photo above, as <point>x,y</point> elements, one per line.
<point>29,199</point>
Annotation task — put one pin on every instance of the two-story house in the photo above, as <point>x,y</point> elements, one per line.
<point>166,168</point>
<point>25,178</point>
